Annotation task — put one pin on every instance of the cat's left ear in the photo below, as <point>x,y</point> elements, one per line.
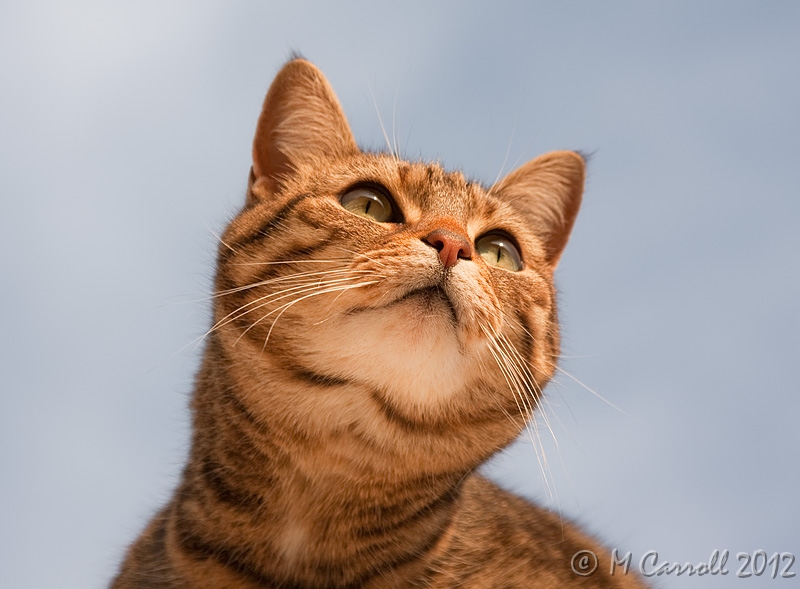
<point>547,191</point>
<point>301,123</point>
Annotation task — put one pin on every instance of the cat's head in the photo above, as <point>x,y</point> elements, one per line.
<point>410,288</point>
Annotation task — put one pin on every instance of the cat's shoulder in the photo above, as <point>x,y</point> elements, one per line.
<point>499,535</point>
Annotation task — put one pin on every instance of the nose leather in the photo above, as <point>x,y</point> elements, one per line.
<point>451,246</point>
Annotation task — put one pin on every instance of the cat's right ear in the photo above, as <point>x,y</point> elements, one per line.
<point>301,123</point>
<point>547,191</point>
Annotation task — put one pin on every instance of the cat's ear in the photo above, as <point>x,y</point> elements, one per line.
<point>547,191</point>
<point>301,122</point>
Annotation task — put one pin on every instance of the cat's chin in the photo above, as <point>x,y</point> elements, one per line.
<point>410,347</point>
<point>418,317</point>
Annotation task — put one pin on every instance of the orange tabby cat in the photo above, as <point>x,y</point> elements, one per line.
<point>381,329</point>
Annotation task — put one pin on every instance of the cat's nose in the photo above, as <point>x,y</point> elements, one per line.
<point>450,245</point>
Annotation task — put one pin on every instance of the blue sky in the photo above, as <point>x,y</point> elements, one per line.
<point>125,135</point>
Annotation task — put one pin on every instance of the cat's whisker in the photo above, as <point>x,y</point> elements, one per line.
<point>361,254</point>
<point>538,389</point>
<point>502,360</point>
<point>336,298</point>
<point>380,120</point>
<point>269,298</point>
<point>509,364</point>
<point>530,425</point>
<point>530,418</point>
<point>522,377</point>
<point>216,235</point>
<point>408,137</point>
<point>508,152</point>
<point>596,394</point>
<point>521,407</point>
<point>484,370</point>
<point>273,296</point>
<point>394,122</point>
<point>288,305</point>
<point>542,409</point>
<point>309,273</point>
<point>312,261</point>
<point>555,384</point>
<point>548,411</point>
<point>260,301</point>
<point>529,381</point>
<point>282,294</point>
<point>287,278</point>
<point>545,404</point>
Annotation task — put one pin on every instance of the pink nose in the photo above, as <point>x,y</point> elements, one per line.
<point>451,246</point>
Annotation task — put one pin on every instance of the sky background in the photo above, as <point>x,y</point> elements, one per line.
<point>125,133</point>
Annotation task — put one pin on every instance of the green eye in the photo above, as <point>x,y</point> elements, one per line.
<point>370,203</point>
<point>498,250</point>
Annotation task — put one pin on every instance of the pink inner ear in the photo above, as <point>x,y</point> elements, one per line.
<point>547,191</point>
<point>301,123</point>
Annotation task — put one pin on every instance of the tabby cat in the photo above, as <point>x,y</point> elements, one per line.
<point>381,328</point>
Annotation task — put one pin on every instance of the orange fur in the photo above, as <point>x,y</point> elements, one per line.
<point>353,379</point>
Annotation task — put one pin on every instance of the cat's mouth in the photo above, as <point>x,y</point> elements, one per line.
<point>431,297</point>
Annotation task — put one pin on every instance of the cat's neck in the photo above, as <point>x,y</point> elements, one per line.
<point>302,519</point>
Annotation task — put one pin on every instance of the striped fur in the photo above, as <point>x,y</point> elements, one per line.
<point>353,381</point>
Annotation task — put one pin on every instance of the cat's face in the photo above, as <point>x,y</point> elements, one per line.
<point>409,288</point>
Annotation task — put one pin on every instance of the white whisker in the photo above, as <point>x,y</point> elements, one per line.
<point>214,233</point>
<point>596,394</point>
<point>288,278</point>
<point>286,306</point>
<point>272,297</point>
<point>380,120</point>
<point>508,152</point>
<point>314,261</point>
<point>360,254</point>
<point>394,122</point>
<point>503,360</point>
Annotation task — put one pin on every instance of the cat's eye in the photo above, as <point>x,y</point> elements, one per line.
<point>499,250</point>
<point>370,203</point>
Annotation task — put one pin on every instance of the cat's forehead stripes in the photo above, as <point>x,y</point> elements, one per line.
<point>423,189</point>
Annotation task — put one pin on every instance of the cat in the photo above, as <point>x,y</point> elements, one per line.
<point>381,328</point>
